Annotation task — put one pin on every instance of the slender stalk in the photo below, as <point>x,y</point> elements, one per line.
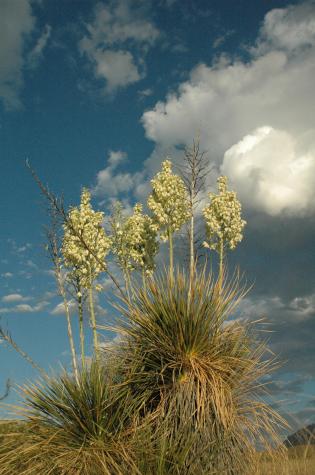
<point>192,256</point>
<point>125,272</point>
<point>54,249</point>
<point>129,283</point>
<point>80,310</point>
<point>192,252</point>
<point>7,390</point>
<point>93,318</point>
<point>69,327</point>
<point>194,172</point>
<point>144,283</point>
<point>115,281</point>
<point>192,196</point>
<point>221,263</point>
<point>170,238</point>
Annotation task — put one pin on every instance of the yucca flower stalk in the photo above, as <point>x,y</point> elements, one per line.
<point>85,225</point>
<point>224,225</point>
<point>79,295</point>
<point>194,170</point>
<point>119,244</point>
<point>169,205</point>
<point>60,279</point>
<point>134,242</point>
<point>81,323</point>
<point>141,239</point>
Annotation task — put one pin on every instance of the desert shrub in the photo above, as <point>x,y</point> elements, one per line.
<point>195,375</point>
<point>71,427</point>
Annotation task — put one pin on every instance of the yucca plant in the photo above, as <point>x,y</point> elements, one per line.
<point>196,375</point>
<point>72,427</point>
<point>180,391</point>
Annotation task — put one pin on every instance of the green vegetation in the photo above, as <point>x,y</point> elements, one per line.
<point>180,391</point>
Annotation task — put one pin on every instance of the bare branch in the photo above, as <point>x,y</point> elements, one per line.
<point>7,390</point>
<point>5,335</point>
<point>193,173</point>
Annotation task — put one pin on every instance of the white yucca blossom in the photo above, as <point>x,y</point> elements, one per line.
<point>224,224</point>
<point>169,201</point>
<point>134,239</point>
<point>84,233</point>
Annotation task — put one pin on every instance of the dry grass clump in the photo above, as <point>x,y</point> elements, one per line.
<point>196,376</point>
<point>70,428</point>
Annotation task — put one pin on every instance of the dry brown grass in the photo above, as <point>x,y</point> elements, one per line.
<point>298,460</point>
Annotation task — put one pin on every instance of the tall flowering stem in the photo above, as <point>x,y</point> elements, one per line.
<point>194,171</point>
<point>169,205</point>
<point>224,224</point>
<point>54,249</point>
<point>119,246</point>
<point>93,318</point>
<point>171,259</point>
<point>81,328</point>
<point>84,233</point>
<point>69,327</point>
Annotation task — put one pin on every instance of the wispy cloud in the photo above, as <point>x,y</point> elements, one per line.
<point>19,248</point>
<point>36,53</point>
<point>221,39</point>
<point>145,93</point>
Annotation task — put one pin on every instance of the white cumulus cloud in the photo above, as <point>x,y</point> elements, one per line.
<point>226,101</point>
<point>110,182</point>
<point>270,174</point>
<point>289,28</point>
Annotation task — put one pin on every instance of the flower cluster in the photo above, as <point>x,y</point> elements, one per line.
<point>169,201</point>
<point>223,218</point>
<point>134,239</point>
<point>85,244</point>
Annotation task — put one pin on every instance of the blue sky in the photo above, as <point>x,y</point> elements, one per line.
<point>96,94</point>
